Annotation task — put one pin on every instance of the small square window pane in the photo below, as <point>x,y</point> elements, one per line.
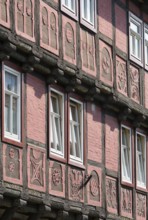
<point>135,27</point>
<point>10,82</point>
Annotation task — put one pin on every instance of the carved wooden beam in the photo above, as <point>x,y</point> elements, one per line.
<point>124,114</point>
<point>62,215</point>
<point>139,120</point>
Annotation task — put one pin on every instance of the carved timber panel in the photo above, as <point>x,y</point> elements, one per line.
<point>94,186</point>
<point>135,84</point>
<point>88,52</point>
<point>12,160</point>
<point>57,179</point>
<point>106,66</point>
<point>126,202</point>
<point>49,28</point>
<point>111,195</point>
<point>24,17</point>
<point>140,206</point>
<point>69,39</point>
<point>75,179</point>
<point>36,168</point>
<point>121,76</point>
<point>4,13</point>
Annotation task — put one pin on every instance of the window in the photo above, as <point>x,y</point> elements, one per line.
<point>126,154</point>
<point>12,104</point>
<point>66,127</point>
<point>57,123</point>
<point>88,13</point>
<point>76,131</point>
<point>136,42</point>
<point>146,45</point>
<point>70,7</point>
<point>141,162</point>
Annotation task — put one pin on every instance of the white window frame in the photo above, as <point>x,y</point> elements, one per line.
<point>78,105</point>
<point>137,36</point>
<point>55,93</point>
<point>11,135</point>
<point>68,10</point>
<point>141,183</point>
<point>128,176</point>
<point>146,46</point>
<point>86,21</point>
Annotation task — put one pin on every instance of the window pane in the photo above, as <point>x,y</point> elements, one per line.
<point>56,121</point>
<point>7,112</point>
<point>92,11</point>
<point>146,36</point>
<point>141,158</point>
<point>135,27</point>
<point>15,113</point>
<point>10,82</point>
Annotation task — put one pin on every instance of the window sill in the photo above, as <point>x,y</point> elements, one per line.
<point>136,60</point>
<point>57,158</point>
<point>12,141</point>
<point>77,164</point>
<point>89,25</point>
<point>126,183</point>
<point>69,12</point>
<point>144,189</point>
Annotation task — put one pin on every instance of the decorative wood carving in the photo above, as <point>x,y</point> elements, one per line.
<point>24,16</point>
<point>141,206</point>
<point>12,160</point>
<point>75,182</point>
<point>36,168</point>
<point>126,202</point>
<point>95,186</point>
<point>106,66</point>
<point>134,84</point>
<point>4,13</point>
<point>88,53</point>
<point>57,179</point>
<point>121,75</point>
<point>69,39</point>
<point>49,28</point>
<point>111,194</point>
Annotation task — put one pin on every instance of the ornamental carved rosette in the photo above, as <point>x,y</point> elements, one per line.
<point>69,39</point>
<point>135,84</point>
<point>106,66</point>
<point>56,179</point>
<point>12,159</point>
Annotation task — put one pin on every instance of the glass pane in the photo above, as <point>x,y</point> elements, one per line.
<point>57,134</point>
<point>92,8</point>
<point>7,112</point>
<point>54,104</point>
<point>15,113</point>
<point>135,27</point>
<point>73,113</point>
<point>77,141</point>
<point>146,36</point>
<point>85,5</point>
<point>71,140</point>
<point>10,82</point>
<point>51,131</point>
